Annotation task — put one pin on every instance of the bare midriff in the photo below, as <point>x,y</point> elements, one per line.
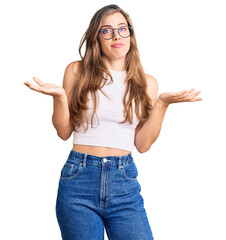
<point>99,151</point>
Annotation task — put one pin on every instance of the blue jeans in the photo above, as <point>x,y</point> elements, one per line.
<point>96,192</point>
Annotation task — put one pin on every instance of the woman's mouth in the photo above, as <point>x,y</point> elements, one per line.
<point>117,45</point>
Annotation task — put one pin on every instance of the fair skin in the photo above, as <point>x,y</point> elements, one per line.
<point>114,58</point>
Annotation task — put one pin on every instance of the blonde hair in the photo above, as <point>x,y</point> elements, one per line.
<point>91,75</point>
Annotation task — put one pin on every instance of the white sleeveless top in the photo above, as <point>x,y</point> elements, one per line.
<point>109,133</point>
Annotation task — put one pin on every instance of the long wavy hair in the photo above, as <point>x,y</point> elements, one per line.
<point>90,75</point>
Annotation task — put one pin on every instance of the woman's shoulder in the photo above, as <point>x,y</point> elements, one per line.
<point>151,79</point>
<point>73,67</point>
<point>70,76</point>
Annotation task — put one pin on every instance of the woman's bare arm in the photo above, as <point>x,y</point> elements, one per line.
<point>61,115</point>
<point>147,133</point>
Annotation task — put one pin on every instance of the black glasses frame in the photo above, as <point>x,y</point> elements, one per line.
<point>100,31</point>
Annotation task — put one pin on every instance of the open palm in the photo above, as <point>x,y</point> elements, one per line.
<point>45,88</point>
<point>183,96</point>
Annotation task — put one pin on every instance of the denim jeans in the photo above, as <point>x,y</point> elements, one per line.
<point>101,192</point>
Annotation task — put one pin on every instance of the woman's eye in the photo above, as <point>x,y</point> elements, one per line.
<point>106,31</point>
<point>123,29</point>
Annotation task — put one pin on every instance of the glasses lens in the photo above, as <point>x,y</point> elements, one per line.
<point>107,33</point>
<point>124,32</point>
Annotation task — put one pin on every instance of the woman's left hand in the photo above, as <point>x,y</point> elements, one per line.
<point>182,96</point>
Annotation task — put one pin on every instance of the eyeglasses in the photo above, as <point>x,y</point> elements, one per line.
<point>108,33</point>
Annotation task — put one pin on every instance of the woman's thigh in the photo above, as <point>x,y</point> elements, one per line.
<point>79,222</point>
<point>77,202</point>
<point>134,226</point>
<point>124,214</point>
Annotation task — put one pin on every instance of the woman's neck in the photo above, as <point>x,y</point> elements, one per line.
<point>115,65</point>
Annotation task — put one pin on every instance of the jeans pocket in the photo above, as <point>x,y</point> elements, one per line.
<point>70,170</point>
<point>130,171</point>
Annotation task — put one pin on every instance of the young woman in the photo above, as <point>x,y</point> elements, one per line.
<point>110,105</point>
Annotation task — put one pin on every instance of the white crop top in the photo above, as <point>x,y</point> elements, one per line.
<point>109,133</point>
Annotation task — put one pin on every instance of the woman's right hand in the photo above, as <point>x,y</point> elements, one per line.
<point>46,88</point>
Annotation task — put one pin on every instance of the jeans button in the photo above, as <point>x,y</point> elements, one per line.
<point>105,160</point>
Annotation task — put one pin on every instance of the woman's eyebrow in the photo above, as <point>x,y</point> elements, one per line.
<point>111,26</point>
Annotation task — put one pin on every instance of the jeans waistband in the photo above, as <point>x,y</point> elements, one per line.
<point>113,160</point>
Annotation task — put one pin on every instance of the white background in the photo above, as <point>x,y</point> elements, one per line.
<point>181,44</point>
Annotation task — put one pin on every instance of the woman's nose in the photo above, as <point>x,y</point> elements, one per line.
<point>116,34</point>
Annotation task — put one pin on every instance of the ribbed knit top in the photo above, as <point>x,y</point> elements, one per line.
<point>109,133</point>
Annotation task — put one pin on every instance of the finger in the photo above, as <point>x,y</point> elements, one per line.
<point>181,93</point>
<point>38,81</point>
<point>185,96</point>
<point>195,94</point>
<point>196,99</point>
<point>188,93</point>
<point>191,90</point>
<point>31,86</point>
<point>28,84</point>
<point>192,98</point>
<point>185,92</point>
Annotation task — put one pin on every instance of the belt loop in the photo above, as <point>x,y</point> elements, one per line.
<point>84,160</point>
<point>120,166</point>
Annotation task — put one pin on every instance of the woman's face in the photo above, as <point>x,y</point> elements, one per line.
<point>109,51</point>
